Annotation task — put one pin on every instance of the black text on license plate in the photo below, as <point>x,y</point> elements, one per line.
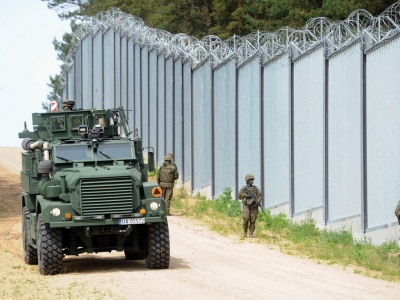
<point>132,221</point>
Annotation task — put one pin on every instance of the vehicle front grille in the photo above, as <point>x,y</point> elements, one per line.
<point>102,196</point>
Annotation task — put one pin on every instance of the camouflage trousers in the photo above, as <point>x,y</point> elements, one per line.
<point>249,214</point>
<point>167,193</point>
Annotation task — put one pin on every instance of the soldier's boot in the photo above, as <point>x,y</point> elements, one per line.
<point>168,213</point>
<point>245,233</point>
<point>252,227</point>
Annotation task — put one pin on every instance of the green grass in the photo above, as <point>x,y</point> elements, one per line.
<point>223,215</point>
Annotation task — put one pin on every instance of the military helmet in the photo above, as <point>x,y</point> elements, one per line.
<point>68,103</point>
<point>249,177</point>
<point>168,157</point>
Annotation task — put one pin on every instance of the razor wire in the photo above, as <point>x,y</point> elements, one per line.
<point>386,24</point>
<point>240,49</point>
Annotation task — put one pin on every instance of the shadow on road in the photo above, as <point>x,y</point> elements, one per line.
<point>100,263</point>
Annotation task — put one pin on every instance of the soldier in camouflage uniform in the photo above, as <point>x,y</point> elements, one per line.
<point>167,174</point>
<point>251,197</point>
<point>397,212</point>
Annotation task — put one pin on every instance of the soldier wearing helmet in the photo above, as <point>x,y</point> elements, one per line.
<point>68,104</point>
<point>172,158</point>
<point>167,174</point>
<point>251,198</point>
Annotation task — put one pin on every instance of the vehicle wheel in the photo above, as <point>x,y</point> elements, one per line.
<point>30,253</point>
<point>49,248</point>
<point>158,236</point>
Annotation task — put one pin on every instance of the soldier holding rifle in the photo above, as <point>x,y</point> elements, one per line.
<point>251,198</point>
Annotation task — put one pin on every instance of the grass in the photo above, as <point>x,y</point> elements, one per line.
<point>223,215</point>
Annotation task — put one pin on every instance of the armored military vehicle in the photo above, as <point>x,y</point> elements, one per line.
<point>86,190</point>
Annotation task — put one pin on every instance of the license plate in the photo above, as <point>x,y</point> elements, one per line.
<point>132,221</point>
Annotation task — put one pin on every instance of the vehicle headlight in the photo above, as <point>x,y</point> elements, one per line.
<point>55,212</point>
<point>154,205</point>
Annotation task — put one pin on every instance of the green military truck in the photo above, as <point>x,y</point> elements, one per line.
<point>86,190</point>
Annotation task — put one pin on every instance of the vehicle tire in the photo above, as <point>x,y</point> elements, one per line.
<point>30,253</point>
<point>49,248</point>
<point>158,241</point>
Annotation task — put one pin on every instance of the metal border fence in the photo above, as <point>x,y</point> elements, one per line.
<point>302,109</point>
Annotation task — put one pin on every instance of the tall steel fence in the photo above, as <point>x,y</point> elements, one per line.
<point>312,113</point>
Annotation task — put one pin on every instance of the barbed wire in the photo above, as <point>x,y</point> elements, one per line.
<point>240,49</point>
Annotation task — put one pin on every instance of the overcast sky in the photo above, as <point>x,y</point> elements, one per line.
<point>27,60</point>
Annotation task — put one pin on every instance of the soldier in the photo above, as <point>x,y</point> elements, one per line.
<point>167,174</point>
<point>251,197</point>
<point>397,212</point>
<point>68,104</point>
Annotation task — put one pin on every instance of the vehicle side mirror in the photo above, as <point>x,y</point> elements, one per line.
<point>150,161</point>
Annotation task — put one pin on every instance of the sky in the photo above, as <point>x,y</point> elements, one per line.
<point>27,60</point>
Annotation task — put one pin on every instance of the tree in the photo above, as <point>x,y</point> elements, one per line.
<point>68,9</point>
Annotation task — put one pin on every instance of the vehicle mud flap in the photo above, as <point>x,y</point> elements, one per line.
<point>30,252</point>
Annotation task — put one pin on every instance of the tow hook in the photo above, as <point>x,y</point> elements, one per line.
<point>127,231</point>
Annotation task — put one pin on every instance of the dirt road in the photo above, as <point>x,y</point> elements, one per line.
<point>204,265</point>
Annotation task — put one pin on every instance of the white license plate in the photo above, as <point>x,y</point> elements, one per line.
<point>132,221</point>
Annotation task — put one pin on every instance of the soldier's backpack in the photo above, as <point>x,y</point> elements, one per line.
<point>167,173</point>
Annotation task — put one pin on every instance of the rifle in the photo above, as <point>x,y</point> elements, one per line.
<point>253,199</point>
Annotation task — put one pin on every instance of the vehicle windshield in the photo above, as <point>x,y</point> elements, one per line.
<point>73,153</point>
<point>105,151</point>
<point>115,151</point>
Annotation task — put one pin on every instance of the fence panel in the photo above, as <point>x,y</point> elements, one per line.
<point>124,72</point>
<point>71,83</point>
<point>201,126</point>
<point>345,155</point>
<point>383,133</point>
<point>308,135</point>
<point>98,70</point>
<point>108,69</point>
<point>117,64</point>
<point>276,131</point>
<point>130,83</point>
<point>249,121</point>
<point>78,77</point>
<point>137,104</point>
<point>187,121</point>
<point>224,127</point>
<point>144,113</point>
<point>178,114</point>
<point>161,108</point>
<point>169,104</point>
<point>64,93</point>
<point>87,72</point>
<point>153,107</point>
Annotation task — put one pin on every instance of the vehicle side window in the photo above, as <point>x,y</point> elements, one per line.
<point>76,121</point>
<point>57,123</point>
